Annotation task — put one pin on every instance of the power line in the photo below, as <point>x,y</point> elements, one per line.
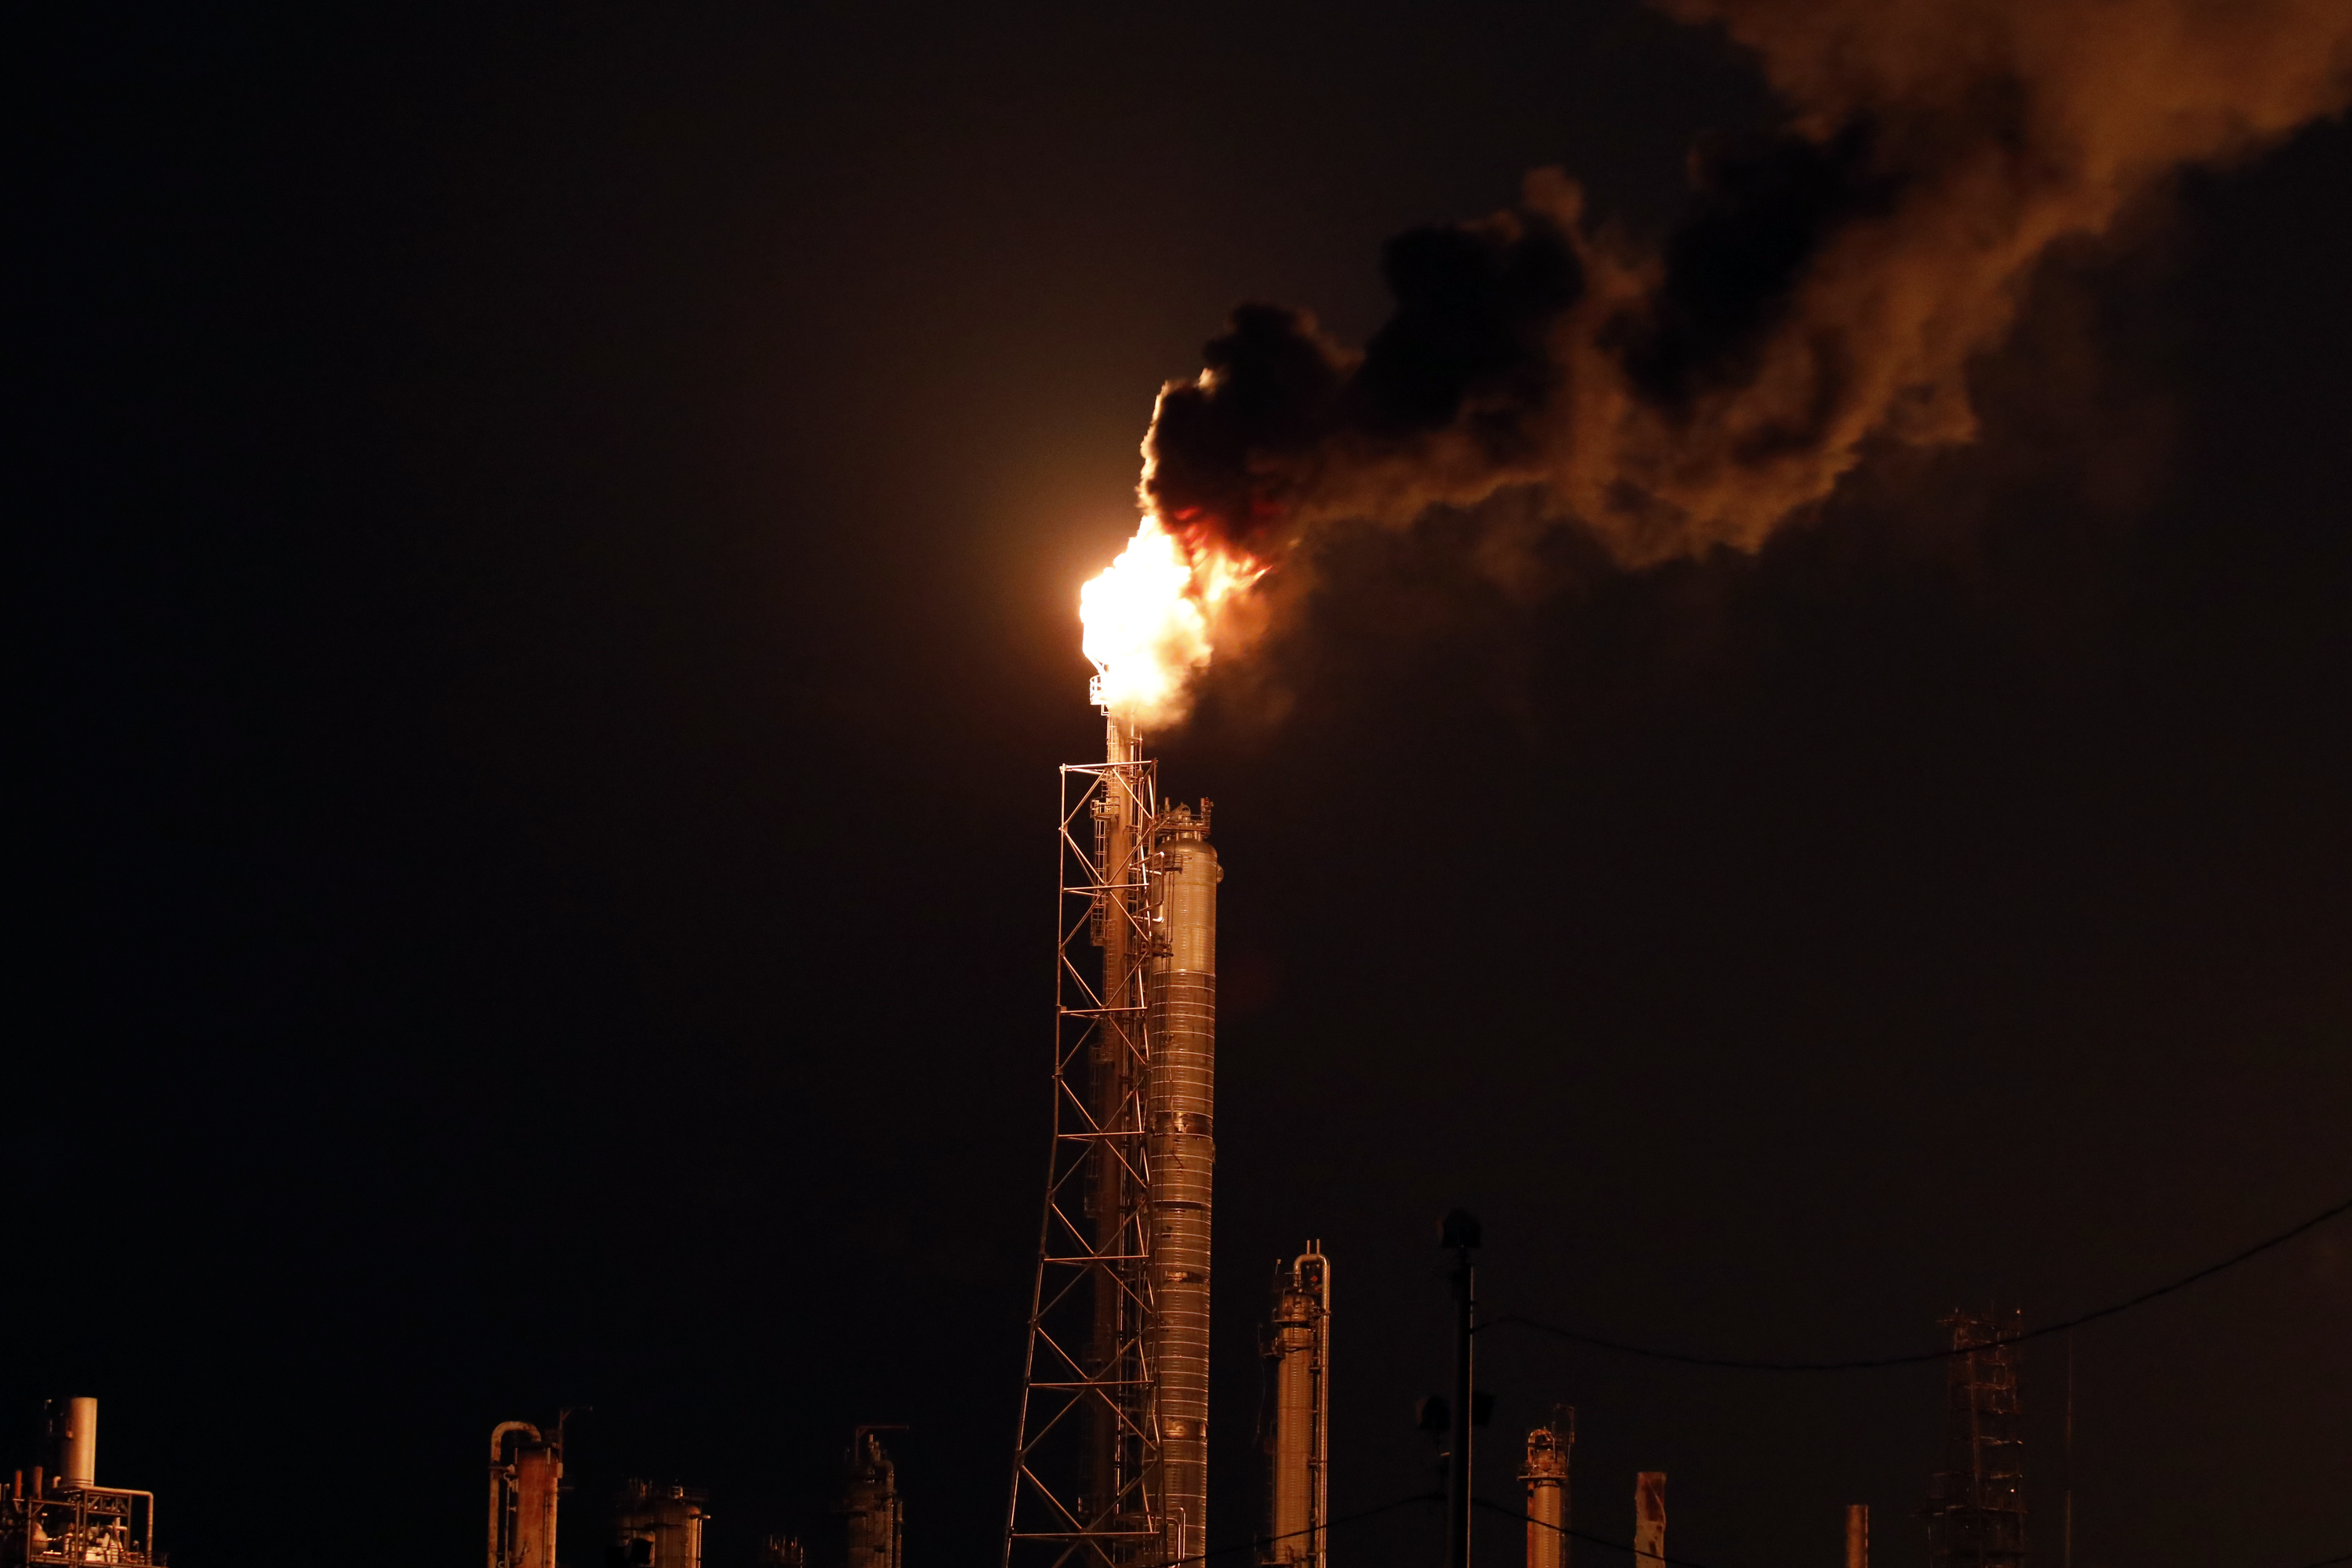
<point>1921,1357</point>
<point>1687,1563</point>
<point>1257,1540</point>
<point>1735,1364</point>
<point>1586,1538</point>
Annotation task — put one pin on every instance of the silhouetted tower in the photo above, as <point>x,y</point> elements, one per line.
<point>1111,1466</point>
<point>1545,1475</point>
<point>1298,1438</point>
<point>874,1518</point>
<point>1975,1511</point>
<point>526,1483</point>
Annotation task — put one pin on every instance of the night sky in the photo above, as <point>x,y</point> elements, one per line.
<point>544,569</point>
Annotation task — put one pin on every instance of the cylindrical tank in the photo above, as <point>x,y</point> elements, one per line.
<point>1545,1475</point>
<point>870,1505</point>
<point>73,1440</point>
<point>1179,1109</point>
<point>657,1527</point>
<point>1298,1448</point>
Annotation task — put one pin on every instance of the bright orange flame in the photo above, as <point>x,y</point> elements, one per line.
<point>1151,617</point>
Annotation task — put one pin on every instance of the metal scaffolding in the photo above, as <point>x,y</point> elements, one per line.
<point>64,1518</point>
<point>1086,1483</point>
<point>1976,1511</point>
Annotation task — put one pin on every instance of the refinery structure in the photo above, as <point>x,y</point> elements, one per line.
<point>1110,1467</point>
<point>1110,1464</point>
<point>60,1514</point>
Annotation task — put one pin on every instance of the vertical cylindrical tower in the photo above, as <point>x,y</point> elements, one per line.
<point>871,1506</point>
<point>73,1440</point>
<point>1857,1535</point>
<point>1300,1447</point>
<point>538,1484</point>
<point>526,1484</point>
<point>1545,1475</point>
<point>657,1526</point>
<point>1179,1108</point>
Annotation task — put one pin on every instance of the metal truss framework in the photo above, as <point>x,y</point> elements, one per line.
<point>1976,1513</point>
<point>1088,1405</point>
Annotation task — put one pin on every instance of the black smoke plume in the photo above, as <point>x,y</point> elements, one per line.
<point>1828,289</point>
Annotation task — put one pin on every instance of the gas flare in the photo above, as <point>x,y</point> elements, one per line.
<point>1151,619</point>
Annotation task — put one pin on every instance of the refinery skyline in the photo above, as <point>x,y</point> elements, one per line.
<point>1757,590</point>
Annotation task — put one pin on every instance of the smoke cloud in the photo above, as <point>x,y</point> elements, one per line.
<point>1827,291</point>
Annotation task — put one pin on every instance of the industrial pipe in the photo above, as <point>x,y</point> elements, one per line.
<point>1460,1232</point>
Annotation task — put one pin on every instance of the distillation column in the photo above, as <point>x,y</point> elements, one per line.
<point>526,1483</point>
<point>1299,1452</point>
<point>1179,1108</point>
<point>875,1517</point>
<point>1545,1475</point>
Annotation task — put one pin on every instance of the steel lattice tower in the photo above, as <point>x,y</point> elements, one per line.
<point>1088,1410</point>
<point>1976,1513</point>
<point>1110,1467</point>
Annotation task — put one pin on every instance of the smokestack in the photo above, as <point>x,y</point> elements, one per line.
<point>73,1440</point>
<point>1857,1535</point>
<point>1545,1475</point>
<point>1116,1471</point>
<point>1650,1520</point>
<point>1298,1450</point>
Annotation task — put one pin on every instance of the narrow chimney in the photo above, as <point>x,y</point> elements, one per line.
<point>1857,1535</point>
<point>1649,1518</point>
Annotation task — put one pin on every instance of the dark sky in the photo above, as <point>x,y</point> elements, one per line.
<point>545,553</point>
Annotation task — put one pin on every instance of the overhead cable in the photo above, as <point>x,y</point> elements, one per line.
<point>1917,1358</point>
<point>1255,1542</point>
<point>1687,1563</point>
<point>1586,1537</point>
